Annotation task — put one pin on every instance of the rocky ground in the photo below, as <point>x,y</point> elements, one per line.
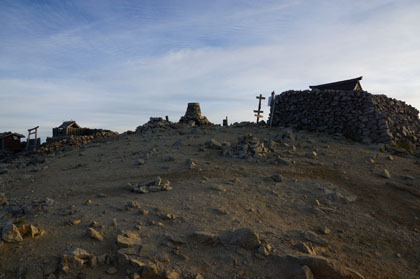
<point>243,201</point>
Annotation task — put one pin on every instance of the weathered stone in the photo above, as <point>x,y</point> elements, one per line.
<point>245,238</point>
<point>213,144</point>
<point>386,174</point>
<point>305,248</point>
<point>206,238</point>
<point>172,275</point>
<point>29,230</point>
<point>94,234</point>
<point>277,177</point>
<point>326,268</point>
<point>281,161</point>
<point>314,238</point>
<point>111,270</point>
<point>77,252</point>
<point>264,250</point>
<point>132,205</point>
<point>128,240</point>
<point>11,233</point>
<point>149,271</point>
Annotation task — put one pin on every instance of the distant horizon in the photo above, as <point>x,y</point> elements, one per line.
<point>264,108</point>
<point>114,65</point>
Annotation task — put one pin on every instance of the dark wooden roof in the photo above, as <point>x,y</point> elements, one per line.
<point>67,124</point>
<point>8,134</point>
<point>345,85</point>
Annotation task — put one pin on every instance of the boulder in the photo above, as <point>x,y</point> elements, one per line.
<point>246,238</point>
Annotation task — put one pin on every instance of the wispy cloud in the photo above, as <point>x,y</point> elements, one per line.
<point>113,66</point>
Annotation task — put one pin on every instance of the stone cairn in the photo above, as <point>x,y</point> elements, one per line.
<point>360,116</point>
<point>193,116</point>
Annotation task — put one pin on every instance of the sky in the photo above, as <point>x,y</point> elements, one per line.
<point>114,64</point>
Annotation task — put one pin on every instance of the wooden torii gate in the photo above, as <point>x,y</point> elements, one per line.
<point>32,131</point>
<point>258,112</point>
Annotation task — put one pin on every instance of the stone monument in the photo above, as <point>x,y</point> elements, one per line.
<point>193,116</point>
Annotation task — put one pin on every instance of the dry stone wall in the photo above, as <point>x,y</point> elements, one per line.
<point>358,115</point>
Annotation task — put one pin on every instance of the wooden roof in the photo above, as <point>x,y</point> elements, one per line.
<point>345,85</point>
<point>67,124</point>
<point>8,134</point>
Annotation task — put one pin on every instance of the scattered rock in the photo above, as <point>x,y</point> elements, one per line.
<point>265,250</point>
<point>111,270</point>
<point>30,230</point>
<point>154,185</point>
<point>74,260</point>
<point>172,275</point>
<point>190,163</point>
<point>283,162</point>
<point>206,238</point>
<point>322,267</point>
<point>213,144</point>
<point>305,248</point>
<point>245,238</point>
<point>168,216</point>
<point>306,273</point>
<point>314,238</point>
<point>132,205</point>
<point>144,211</point>
<point>78,253</point>
<point>49,202</point>
<point>325,230</point>
<point>246,147</point>
<point>386,174</point>
<point>11,233</point>
<point>312,155</point>
<point>277,177</point>
<point>94,234</point>
<point>75,222</point>
<point>128,239</point>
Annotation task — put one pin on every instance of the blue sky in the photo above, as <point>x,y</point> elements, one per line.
<point>114,64</point>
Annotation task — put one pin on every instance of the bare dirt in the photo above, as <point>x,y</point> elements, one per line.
<point>281,211</point>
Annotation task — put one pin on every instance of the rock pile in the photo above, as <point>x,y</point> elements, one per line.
<point>54,144</point>
<point>154,185</point>
<point>193,116</point>
<point>156,123</point>
<point>358,115</point>
<point>247,146</point>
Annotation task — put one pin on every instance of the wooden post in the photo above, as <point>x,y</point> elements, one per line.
<point>272,104</point>
<point>258,112</point>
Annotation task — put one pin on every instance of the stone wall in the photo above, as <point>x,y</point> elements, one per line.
<point>358,115</point>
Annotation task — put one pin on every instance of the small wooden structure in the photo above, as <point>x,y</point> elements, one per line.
<point>69,128</point>
<point>344,85</point>
<point>11,141</point>
<point>225,122</point>
<point>258,112</point>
